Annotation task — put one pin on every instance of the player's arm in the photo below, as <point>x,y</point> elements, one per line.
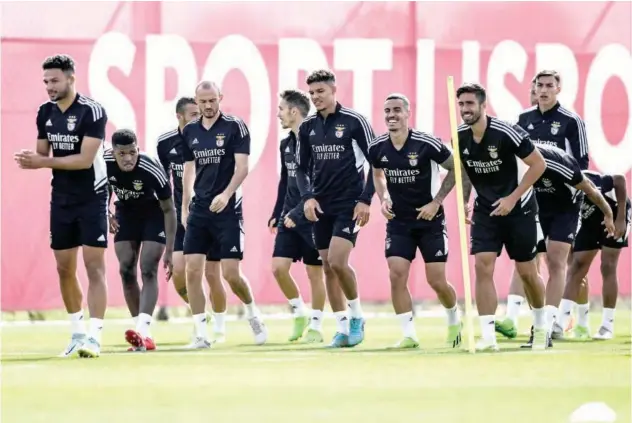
<point>620,192</point>
<point>593,194</point>
<point>303,163</point>
<point>363,135</point>
<point>242,150</point>
<point>162,150</point>
<point>188,177</point>
<point>467,185</point>
<point>281,190</point>
<point>576,135</point>
<point>441,154</point>
<point>530,156</point>
<point>171,221</point>
<point>43,146</point>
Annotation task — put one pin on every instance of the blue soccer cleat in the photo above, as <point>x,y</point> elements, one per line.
<point>340,341</point>
<point>356,331</point>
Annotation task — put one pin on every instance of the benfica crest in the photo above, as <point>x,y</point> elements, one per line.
<point>219,139</point>
<point>493,152</point>
<point>138,185</point>
<point>555,128</point>
<point>547,183</point>
<point>340,131</point>
<point>412,159</point>
<point>71,123</point>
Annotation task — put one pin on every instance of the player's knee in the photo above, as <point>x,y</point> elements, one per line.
<point>178,269</point>
<point>128,274</point>
<point>337,265</point>
<point>398,277</point>
<point>280,269</point>
<point>149,272</point>
<point>231,275</point>
<point>95,271</point>
<point>484,268</point>
<point>65,270</point>
<point>608,266</point>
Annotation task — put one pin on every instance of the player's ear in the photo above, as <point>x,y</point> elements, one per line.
<point>334,89</point>
<point>220,98</point>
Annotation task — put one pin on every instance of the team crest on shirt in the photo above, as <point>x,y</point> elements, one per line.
<point>340,131</point>
<point>71,123</point>
<point>547,183</point>
<point>493,151</point>
<point>555,128</point>
<point>219,139</point>
<point>138,185</point>
<point>412,159</point>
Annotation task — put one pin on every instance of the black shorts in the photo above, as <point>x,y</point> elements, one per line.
<point>79,224</point>
<point>561,227</point>
<point>207,232</point>
<point>591,236</point>
<point>178,245</point>
<point>404,238</point>
<point>297,244</point>
<point>335,221</point>
<point>140,225</point>
<point>517,233</point>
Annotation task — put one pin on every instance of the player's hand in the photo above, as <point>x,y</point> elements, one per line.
<point>429,211</point>
<point>272,225</point>
<point>288,222</point>
<point>468,210</point>
<point>387,209</point>
<point>361,213</point>
<point>611,227</point>
<point>504,206</point>
<point>114,226</point>
<point>219,203</point>
<point>167,262</point>
<point>310,208</point>
<point>185,217</point>
<point>620,227</point>
<point>28,159</point>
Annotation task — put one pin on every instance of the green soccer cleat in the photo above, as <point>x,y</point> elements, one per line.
<point>406,343</point>
<point>506,328</point>
<point>454,335</point>
<point>313,337</point>
<point>90,349</point>
<point>581,333</point>
<point>300,324</point>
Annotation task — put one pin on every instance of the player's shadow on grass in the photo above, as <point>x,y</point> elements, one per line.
<point>30,359</point>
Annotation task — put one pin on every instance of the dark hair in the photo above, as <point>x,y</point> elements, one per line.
<point>62,62</point>
<point>473,88</point>
<point>555,74</point>
<point>398,96</point>
<point>321,75</point>
<point>123,137</point>
<point>182,103</point>
<point>298,99</point>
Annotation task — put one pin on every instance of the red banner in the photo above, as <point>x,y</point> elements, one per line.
<point>138,58</point>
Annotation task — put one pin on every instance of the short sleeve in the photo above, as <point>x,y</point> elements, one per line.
<point>374,151</point>
<point>162,149</point>
<point>187,154</point>
<point>520,140</point>
<point>439,152</point>
<point>96,121</point>
<point>40,121</point>
<point>242,144</point>
<point>159,177</point>
<point>607,183</point>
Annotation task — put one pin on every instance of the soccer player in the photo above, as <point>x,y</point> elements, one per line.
<point>332,147</point>
<point>493,156</point>
<point>406,177</point>
<point>215,152</point>
<point>533,95</point>
<point>294,239</point>
<point>591,238</point>
<point>145,216</point>
<point>169,148</point>
<point>73,127</point>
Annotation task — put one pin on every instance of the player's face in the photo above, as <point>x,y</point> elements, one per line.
<point>208,102</point>
<point>470,108</point>
<point>190,112</point>
<point>322,95</point>
<point>286,115</point>
<point>58,84</point>
<point>395,115</point>
<point>533,96</point>
<point>547,89</point>
<point>126,156</point>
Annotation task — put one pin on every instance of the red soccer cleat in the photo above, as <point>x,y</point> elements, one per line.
<point>150,344</point>
<point>135,340</point>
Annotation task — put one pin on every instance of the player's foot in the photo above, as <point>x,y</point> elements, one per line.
<point>356,331</point>
<point>529,344</point>
<point>540,339</point>
<point>300,324</point>
<point>485,345</point>
<point>198,343</point>
<point>406,343</point>
<point>454,335</point>
<point>603,334</point>
<point>581,333</point>
<point>557,332</point>
<point>571,323</point>
<point>135,340</point>
<point>90,349</point>
<point>340,341</point>
<point>506,328</point>
<point>258,330</point>
<point>219,338</point>
<point>76,342</point>
<point>313,337</point>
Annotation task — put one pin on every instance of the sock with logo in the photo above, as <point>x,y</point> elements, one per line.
<point>96,326</point>
<point>608,319</point>
<point>143,325</point>
<point>316,323</point>
<point>551,317</point>
<point>452,315</point>
<point>514,302</point>
<point>408,325</point>
<point>342,322</point>
<point>582,314</point>
<point>298,306</point>
<point>77,323</point>
<point>219,323</point>
<point>488,328</point>
<point>200,325</point>
<point>564,314</point>
<point>355,308</point>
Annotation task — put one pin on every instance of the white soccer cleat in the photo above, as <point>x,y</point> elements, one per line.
<point>258,330</point>
<point>557,332</point>
<point>540,339</point>
<point>603,334</point>
<point>198,343</point>
<point>219,338</point>
<point>76,342</point>
<point>90,349</point>
<point>484,345</point>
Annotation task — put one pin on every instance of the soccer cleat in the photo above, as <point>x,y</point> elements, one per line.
<point>76,342</point>
<point>484,345</point>
<point>340,340</point>
<point>454,335</point>
<point>313,337</point>
<point>219,338</point>
<point>90,349</point>
<point>406,343</point>
<point>603,334</point>
<point>259,330</point>
<point>198,343</point>
<point>356,331</point>
<point>300,324</point>
<point>540,339</point>
<point>506,328</point>
<point>557,332</point>
<point>581,333</point>
<point>135,340</point>
<point>529,343</point>
<point>137,349</point>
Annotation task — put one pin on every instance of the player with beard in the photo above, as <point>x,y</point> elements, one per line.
<point>215,151</point>
<point>144,227</point>
<point>170,145</point>
<point>494,154</point>
<point>332,146</point>
<point>293,231</point>
<point>406,177</point>
<point>73,127</point>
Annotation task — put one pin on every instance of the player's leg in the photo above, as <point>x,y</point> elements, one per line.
<point>94,232</point>
<point>179,269</point>
<point>319,297</point>
<point>610,290</point>
<point>217,293</point>
<point>127,253</point>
